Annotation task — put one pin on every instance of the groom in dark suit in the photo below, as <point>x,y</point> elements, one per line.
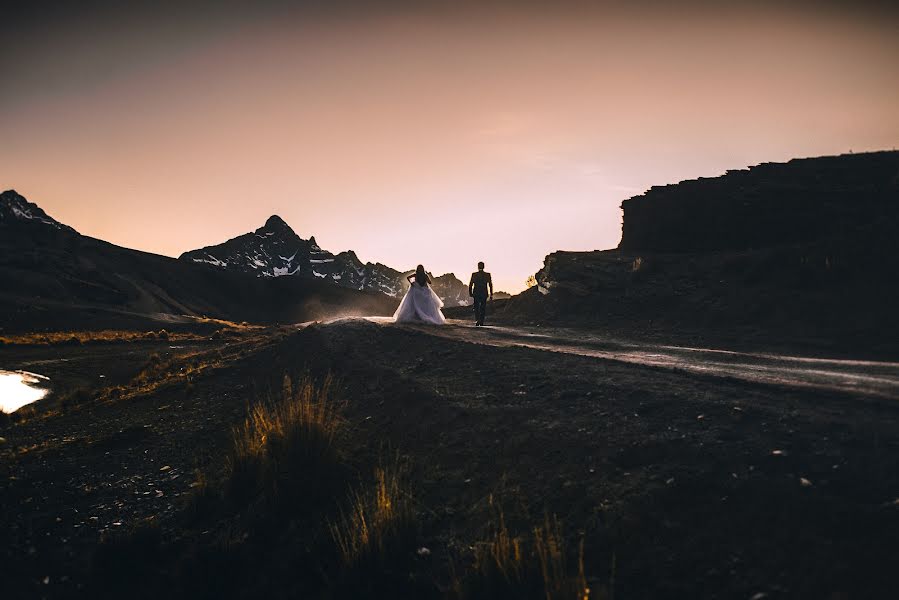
<point>478,289</point>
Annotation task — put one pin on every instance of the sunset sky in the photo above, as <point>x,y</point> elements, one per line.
<point>442,135</point>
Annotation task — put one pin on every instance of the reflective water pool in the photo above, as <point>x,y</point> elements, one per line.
<point>18,388</point>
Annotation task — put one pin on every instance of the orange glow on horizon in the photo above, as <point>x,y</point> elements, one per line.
<point>427,138</point>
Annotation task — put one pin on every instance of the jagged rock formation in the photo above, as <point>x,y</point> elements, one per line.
<point>802,253</point>
<point>773,203</point>
<point>275,250</point>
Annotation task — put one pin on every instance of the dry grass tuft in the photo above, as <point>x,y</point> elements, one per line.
<point>378,520</point>
<point>509,566</point>
<point>376,538</point>
<point>283,448</point>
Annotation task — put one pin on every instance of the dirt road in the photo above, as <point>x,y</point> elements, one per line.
<point>870,378</point>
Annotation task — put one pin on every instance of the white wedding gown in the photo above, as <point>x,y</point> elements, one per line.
<point>420,305</point>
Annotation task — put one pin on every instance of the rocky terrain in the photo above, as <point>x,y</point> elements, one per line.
<point>672,484</point>
<point>57,279</point>
<point>801,254</point>
<point>275,250</point>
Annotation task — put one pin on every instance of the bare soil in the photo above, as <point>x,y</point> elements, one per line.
<point>681,484</point>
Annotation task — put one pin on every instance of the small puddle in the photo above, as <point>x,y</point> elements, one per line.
<point>18,388</point>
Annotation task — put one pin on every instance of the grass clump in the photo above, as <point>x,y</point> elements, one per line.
<point>533,566</point>
<point>376,537</point>
<point>286,451</point>
<point>377,520</point>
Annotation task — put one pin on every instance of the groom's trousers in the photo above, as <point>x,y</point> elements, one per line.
<point>480,309</point>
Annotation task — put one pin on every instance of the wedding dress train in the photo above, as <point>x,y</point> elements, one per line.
<point>420,305</point>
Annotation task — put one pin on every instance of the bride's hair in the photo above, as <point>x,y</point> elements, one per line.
<point>421,278</point>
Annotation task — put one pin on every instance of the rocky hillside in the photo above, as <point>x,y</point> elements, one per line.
<point>275,250</point>
<point>56,279</point>
<point>800,254</point>
<point>803,200</point>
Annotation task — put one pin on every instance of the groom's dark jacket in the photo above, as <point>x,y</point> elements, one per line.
<point>477,287</point>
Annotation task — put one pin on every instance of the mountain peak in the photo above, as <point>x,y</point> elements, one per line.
<point>12,197</point>
<point>275,223</point>
<point>15,208</point>
<point>275,250</point>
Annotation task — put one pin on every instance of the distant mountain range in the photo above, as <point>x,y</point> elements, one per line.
<point>54,278</point>
<point>275,250</point>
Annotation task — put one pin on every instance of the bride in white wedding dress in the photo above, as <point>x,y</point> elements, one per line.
<point>421,304</point>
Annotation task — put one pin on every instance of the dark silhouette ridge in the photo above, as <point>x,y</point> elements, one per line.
<point>800,254</point>
<point>803,200</point>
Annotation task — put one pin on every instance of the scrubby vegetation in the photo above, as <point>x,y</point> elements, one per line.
<point>376,518</point>
<point>286,452</point>
<point>200,329</point>
<point>649,469</point>
<point>173,372</point>
<point>523,566</point>
<point>291,516</point>
<point>106,336</point>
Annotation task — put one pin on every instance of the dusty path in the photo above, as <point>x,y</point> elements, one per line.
<point>870,378</point>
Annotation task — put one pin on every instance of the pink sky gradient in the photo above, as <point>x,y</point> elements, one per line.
<point>440,138</point>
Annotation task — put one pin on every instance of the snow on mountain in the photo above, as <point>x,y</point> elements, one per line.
<point>275,250</point>
<point>14,208</point>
